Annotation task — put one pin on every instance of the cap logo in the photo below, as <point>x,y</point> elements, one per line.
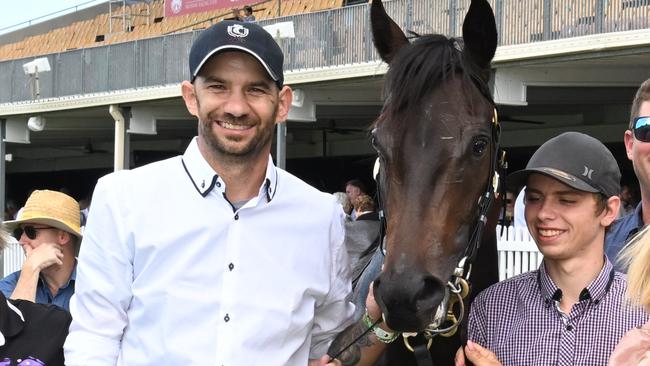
<point>560,174</point>
<point>237,30</point>
<point>587,173</point>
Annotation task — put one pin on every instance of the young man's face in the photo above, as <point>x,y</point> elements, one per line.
<point>563,221</point>
<point>639,153</point>
<point>237,105</point>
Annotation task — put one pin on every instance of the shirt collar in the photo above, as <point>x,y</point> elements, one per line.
<point>205,179</point>
<point>595,291</point>
<point>73,277</point>
<point>201,174</point>
<point>270,186</point>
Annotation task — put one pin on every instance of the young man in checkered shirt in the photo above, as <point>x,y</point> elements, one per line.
<point>572,310</point>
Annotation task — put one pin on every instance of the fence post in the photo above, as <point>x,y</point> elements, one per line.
<point>498,17</point>
<point>368,47</point>
<point>330,39</point>
<point>547,15</point>
<point>409,15</point>
<point>600,5</point>
<point>452,18</point>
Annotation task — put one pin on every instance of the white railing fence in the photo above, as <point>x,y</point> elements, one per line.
<point>12,257</point>
<point>517,253</point>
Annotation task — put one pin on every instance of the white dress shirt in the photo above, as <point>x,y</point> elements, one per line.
<point>170,274</point>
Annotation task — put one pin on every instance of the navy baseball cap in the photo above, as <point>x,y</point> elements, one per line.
<point>577,160</point>
<point>239,36</point>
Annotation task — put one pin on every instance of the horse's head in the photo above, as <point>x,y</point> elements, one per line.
<point>436,143</point>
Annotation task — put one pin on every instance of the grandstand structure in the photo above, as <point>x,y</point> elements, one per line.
<point>135,20</point>
<point>112,97</point>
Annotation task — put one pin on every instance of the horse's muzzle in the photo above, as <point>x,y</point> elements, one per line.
<point>409,301</point>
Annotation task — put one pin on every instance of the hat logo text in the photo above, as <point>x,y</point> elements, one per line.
<point>587,173</point>
<point>559,173</point>
<point>237,30</point>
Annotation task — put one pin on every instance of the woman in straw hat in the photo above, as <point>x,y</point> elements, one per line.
<point>49,233</point>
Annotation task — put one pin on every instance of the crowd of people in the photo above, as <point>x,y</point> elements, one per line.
<point>192,259</point>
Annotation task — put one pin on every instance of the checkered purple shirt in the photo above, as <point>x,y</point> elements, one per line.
<point>519,320</point>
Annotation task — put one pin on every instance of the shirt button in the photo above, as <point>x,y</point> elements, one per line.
<point>236,216</point>
<point>219,184</point>
<point>569,327</point>
<point>226,318</point>
<point>231,266</point>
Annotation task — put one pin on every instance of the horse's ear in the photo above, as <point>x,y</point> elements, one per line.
<point>386,34</point>
<point>480,33</point>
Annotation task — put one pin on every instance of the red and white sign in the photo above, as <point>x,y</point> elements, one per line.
<point>182,7</point>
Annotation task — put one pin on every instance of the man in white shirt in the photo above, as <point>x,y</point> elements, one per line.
<point>215,257</point>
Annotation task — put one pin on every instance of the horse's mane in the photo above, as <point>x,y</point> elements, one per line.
<point>417,69</point>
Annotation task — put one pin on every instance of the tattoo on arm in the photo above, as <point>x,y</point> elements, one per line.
<point>355,338</point>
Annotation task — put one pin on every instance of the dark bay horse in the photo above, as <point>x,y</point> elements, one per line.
<point>437,141</point>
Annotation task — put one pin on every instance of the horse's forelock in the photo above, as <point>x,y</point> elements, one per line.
<point>420,68</point>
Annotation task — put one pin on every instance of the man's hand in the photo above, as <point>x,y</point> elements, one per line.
<point>479,356</point>
<point>41,257</point>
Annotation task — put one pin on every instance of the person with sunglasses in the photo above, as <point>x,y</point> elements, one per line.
<point>31,334</point>
<point>637,146</point>
<point>48,231</point>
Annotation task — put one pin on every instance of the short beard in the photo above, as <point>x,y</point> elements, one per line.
<point>219,150</point>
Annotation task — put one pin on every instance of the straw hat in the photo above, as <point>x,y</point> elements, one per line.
<point>49,208</point>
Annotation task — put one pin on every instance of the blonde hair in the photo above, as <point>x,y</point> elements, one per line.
<point>636,255</point>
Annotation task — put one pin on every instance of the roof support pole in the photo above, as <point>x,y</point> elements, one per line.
<point>120,136</point>
<point>281,146</point>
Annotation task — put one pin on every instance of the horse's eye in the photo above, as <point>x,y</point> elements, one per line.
<point>479,145</point>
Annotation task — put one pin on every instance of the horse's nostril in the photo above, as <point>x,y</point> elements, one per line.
<point>420,292</point>
<point>431,293</point>
<point>429,287</point>
<point>409,301</point>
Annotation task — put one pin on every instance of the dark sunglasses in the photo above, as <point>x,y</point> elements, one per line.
<point>29,230</point>
<point>642,128</point>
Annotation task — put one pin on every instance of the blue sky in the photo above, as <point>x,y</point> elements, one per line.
<point>17,11</point>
